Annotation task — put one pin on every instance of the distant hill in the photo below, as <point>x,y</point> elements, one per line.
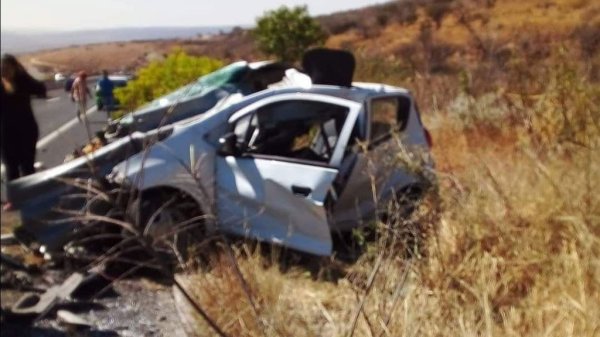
<point>411,36</point>
<point>15,41</point>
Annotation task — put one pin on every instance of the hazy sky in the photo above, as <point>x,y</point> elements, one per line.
<point>86,14</point>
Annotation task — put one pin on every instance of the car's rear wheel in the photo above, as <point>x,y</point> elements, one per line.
<point>404,228</point>
<point>402,204</point>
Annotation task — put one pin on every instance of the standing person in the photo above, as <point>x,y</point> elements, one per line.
<point>105,91</point>
<point>80,93</point>
<point>19,129</point>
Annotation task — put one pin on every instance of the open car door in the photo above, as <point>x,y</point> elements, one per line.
<point>277,185</point>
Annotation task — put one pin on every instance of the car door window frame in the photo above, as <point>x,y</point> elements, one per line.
<point>398,128</point>
<point>344,135</point>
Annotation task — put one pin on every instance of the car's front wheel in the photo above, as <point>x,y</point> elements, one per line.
<point>170,222</point>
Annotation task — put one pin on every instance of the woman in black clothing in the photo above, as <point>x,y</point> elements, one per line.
<point>19,133</point>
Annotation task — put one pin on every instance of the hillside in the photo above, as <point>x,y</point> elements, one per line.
<point>396,30</point>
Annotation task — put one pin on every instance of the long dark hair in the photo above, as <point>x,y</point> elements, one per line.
<point>13,71</point>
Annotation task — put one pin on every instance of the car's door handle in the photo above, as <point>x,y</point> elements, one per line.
<point>299,190</point>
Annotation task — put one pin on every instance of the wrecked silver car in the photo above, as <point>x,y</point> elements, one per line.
<point>289,165</point>
<point>284,165</point>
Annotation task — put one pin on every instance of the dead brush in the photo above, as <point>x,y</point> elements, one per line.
<point>292,302</point>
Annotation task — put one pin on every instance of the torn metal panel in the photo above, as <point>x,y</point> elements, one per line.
<point>76,286</point>
<point>35,304</point>
<point>201,96</point>
<point>42,197</point>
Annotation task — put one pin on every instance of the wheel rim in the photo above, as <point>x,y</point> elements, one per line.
<point>169,229</point>
<point>163,221</point>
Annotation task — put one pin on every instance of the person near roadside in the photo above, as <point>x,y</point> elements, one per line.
<point>80,93</point>
<point>19,129</point>
<point>105,92</point>
<point>69,82</point>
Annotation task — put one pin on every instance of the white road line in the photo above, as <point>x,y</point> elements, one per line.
<point>56,133</point>
<point>53,99</point>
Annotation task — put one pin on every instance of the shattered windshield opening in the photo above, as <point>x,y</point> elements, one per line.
<point>225,75</point>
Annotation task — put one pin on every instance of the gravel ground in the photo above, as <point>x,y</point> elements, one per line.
<point>137,308</point>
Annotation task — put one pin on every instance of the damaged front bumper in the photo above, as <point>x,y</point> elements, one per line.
<point>48,200</point>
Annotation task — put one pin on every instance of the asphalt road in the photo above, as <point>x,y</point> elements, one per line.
<point>60,131</point>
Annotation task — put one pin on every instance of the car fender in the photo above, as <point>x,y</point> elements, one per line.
<point>162,167</point>
<point>198,194</point>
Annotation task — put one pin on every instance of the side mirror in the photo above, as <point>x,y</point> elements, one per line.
<point>227,144</point>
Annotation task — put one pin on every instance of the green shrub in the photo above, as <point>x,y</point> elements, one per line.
<point>287,32</point>
<point>161,77</point>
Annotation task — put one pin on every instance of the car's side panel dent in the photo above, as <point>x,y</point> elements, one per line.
<point>255,198</point>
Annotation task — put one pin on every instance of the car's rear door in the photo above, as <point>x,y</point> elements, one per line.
<point>277,187</point>
<point>375,170</point>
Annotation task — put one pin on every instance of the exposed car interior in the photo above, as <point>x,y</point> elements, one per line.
<point>304,130</point>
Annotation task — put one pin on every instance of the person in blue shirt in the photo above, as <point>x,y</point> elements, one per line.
<point>105,91</point>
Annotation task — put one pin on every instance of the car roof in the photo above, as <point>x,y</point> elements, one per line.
<point>359,92</point>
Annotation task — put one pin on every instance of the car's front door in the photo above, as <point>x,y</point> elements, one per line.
<point>289,149</point>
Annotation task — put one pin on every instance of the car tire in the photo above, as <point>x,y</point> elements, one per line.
<point>157,215</point>
<point>401,205</point>
<point>399,218</point>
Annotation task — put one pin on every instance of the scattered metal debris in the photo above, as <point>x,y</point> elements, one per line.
<point>67,317</point>
<point>33,304</point>
<point>8,239</point>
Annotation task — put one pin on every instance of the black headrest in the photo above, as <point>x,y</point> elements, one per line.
<point>329,66</point>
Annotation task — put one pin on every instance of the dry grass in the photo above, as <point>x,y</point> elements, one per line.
<point>512,242</point>
<point>515,252</point>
